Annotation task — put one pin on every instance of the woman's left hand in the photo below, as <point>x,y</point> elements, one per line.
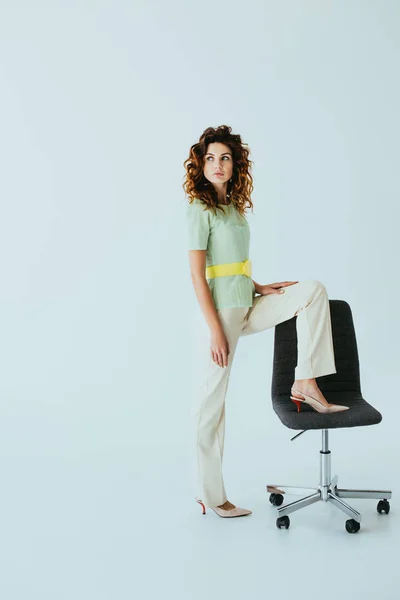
<point>274,288</point>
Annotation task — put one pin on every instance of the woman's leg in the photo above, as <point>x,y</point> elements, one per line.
<point>309,301</point>
<point>209,410</point>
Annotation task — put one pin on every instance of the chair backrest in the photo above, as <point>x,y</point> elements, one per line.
<point>345,349</point>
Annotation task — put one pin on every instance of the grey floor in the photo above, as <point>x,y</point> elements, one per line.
<point>89,510</point>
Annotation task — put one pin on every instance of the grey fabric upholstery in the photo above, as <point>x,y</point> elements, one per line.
<point>342,387</point>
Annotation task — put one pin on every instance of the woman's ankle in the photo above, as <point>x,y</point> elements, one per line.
<point>305,384</point>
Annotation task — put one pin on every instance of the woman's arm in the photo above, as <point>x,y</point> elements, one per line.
<point>197,260</point>
<point>257,286</point>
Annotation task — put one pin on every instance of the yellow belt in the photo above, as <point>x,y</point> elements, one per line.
<point>237,268</point>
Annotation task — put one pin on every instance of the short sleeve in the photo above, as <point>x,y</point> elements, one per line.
<point>198,227</point>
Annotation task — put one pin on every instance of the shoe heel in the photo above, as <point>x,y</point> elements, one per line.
<point>201,503</point>
<point>298,403</point>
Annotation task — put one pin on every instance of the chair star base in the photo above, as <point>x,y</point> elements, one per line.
<point>327,491</point>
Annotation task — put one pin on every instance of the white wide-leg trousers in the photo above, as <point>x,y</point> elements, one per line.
<point>315,357</point>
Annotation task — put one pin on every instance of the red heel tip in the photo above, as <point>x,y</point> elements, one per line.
<point>202,506</point>
<point>297,403</point>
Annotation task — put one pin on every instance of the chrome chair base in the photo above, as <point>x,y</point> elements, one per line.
<point>327,491</point>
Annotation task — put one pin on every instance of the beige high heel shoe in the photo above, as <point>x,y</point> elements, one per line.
<point>221,512</point>
<point>315,404</point>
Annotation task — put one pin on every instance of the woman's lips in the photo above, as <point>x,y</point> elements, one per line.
<point>218,174</point>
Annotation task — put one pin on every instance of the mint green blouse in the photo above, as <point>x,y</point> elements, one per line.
<point>226,237</point>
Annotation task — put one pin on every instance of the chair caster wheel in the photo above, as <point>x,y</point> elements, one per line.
<point>276,499</point>
<point>383,506</point>
<point>283,522</point>
<point>352,526</point>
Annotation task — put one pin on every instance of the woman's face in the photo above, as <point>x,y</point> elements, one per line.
<point>218,159</point>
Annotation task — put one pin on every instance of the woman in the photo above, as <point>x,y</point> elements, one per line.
<point>219,184</point>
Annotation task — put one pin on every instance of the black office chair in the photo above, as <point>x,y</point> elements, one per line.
<point>342,387</point>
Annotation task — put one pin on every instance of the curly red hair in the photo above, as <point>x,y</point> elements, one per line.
<point>239,189</point>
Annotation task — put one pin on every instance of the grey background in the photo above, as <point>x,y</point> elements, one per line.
<point>100,102</point>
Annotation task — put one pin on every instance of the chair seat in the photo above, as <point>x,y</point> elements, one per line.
<point>360,413</point>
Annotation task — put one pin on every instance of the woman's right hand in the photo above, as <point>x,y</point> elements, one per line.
<point>220,348</point>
